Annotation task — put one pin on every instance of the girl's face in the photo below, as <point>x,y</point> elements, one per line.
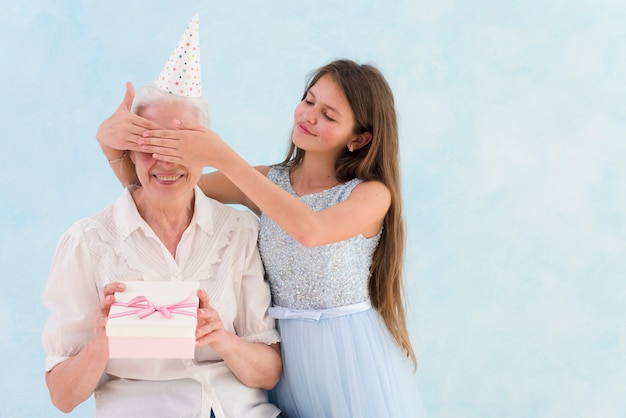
<point>161,179</point>
<point>324,121</point>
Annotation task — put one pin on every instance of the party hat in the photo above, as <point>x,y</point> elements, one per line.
<point>181,73</point>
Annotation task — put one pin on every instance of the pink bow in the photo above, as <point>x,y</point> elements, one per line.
<point>145,308</point>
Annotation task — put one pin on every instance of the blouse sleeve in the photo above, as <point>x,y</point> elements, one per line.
<point>253,322</point>
<point>72,298</point>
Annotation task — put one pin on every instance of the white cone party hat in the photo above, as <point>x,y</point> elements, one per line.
<point>181,74</point>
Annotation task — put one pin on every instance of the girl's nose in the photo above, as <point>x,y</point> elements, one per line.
<point>308,116</point>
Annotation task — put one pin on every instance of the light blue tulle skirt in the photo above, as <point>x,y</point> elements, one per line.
<point>341,367</point>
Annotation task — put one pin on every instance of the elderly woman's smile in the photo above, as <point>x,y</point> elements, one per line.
<point>167,179</point>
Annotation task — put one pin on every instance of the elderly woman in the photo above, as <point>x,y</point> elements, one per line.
<point>164,229</point>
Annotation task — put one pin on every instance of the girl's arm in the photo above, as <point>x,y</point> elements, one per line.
<point>217,186</point>
<point>362,213</point>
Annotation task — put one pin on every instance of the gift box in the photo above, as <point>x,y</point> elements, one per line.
<point>154,320</point>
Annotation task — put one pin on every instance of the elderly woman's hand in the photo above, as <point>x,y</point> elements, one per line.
<point>256,365</point>
<point>210,329</point>
<point>123,128</point>
<point>104,307</point>
<point>74,380</point>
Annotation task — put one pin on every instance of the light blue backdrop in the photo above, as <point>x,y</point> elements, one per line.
<point>513,145</point>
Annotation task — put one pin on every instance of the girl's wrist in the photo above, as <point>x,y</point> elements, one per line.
<point>117,159</point>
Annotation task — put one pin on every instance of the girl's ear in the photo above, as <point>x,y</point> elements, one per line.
<point>360,141</point>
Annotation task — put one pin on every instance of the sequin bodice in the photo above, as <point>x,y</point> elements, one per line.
<point>321,277</point>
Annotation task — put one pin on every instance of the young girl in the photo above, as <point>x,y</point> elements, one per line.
<point>331,239</point>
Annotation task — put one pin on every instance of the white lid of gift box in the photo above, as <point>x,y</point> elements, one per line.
<point>158,293</point>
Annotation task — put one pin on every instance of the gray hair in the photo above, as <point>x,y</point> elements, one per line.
<point>150,94</point>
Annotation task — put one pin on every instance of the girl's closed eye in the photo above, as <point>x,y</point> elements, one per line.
<point>328,117</point>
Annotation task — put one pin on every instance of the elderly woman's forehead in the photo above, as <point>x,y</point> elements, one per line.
<point>168,111</point>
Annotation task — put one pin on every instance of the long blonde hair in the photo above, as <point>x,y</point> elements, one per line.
<point>372,103</point>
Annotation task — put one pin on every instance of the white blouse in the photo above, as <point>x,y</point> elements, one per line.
<point>218,249</point>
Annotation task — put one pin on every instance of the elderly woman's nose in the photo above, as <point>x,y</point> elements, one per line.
<point>164,163</point>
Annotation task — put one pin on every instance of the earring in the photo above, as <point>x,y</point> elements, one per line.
<point>351,147</point>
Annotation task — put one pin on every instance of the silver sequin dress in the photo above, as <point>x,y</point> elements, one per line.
<point>338,357</point>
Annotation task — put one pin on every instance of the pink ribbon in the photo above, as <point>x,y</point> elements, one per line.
<point>143,307</point>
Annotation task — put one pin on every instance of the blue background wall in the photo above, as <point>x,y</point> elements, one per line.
<point>513,124</point>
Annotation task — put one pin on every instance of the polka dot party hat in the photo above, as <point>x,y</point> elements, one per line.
<point>181,73</point>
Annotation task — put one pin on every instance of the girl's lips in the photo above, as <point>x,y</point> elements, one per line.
<point>303,129</point>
